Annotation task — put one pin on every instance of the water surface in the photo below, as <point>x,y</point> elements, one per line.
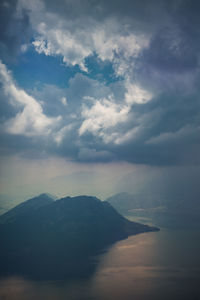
<point>155,265</point>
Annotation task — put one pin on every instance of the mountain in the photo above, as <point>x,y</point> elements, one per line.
<point>124,202</point>
<point>25,208</point>
<point>47,236</point>
<point>6,203</point>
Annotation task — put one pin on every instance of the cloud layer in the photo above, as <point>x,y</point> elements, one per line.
<point>147,114</point>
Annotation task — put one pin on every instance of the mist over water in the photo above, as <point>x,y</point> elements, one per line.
<point>156,265</point>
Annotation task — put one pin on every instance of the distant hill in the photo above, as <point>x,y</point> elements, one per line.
<point>41,234</point>
<point>128,204</point>
<point>124,202</point>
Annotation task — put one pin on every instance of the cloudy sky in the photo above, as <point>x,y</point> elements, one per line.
<point>99,97</point>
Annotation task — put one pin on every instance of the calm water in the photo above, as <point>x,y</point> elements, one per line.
<point>160,265</point>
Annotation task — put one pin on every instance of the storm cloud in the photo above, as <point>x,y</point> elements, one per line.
<point>133,92</point>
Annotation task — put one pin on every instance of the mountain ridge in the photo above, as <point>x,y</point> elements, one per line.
<point>25,207</point>
<point>62,232</point>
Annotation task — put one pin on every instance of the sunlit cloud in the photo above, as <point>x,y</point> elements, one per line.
<point>30,120</point>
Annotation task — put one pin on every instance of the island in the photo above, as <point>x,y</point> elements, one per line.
<point>43,237</point>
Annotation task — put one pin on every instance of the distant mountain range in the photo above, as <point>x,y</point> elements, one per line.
<point>43,236</point>
<point>124,202</point>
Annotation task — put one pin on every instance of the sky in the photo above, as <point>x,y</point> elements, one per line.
<point>99,97</point>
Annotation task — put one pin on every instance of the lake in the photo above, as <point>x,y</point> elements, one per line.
<point>155,265</point>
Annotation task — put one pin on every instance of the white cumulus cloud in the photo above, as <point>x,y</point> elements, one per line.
<point>30,120</point>
<point>75,40</point>
<point>104,117</point>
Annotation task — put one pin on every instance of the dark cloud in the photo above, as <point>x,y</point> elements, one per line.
<point>170,134</point>
<point>171,50</point>
<point>15,30</point>
<point>162,131</point>
<point>143,15</point>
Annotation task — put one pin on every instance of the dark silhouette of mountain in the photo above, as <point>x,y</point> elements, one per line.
<point>6,203</point>
<point>25,208</point>
<point>49,238</point>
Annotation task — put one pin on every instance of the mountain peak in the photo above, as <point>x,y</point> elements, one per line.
<point>26,207</point>
<point>43,232</point>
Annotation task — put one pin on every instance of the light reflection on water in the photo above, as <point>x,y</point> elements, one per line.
<point>163,265</point>
<point>158,265</point>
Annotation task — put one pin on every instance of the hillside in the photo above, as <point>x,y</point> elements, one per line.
<point>63,233</point>
<point>25,208</point>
